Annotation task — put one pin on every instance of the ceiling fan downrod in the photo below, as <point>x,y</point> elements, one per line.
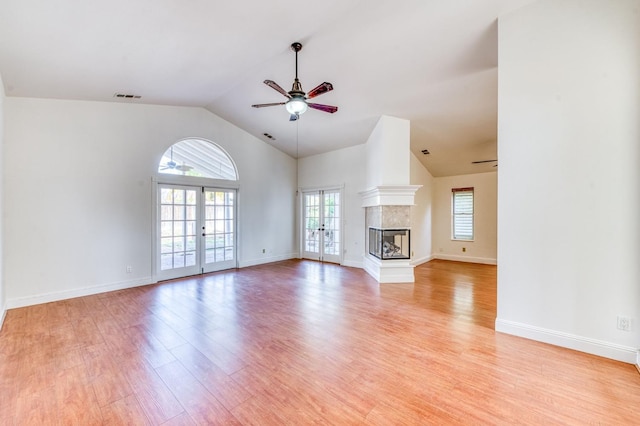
<point>297,87</point>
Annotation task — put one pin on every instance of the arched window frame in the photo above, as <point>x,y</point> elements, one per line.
<point>196,180</point>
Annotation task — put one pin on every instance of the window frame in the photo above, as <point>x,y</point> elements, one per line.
<point>456,236</point>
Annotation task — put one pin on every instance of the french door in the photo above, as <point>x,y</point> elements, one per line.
<point>196,230</point>
<point>322,233</point>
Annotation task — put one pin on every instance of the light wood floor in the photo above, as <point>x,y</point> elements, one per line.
<point>299,342</point>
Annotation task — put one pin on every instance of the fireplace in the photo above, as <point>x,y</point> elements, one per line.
<point>389,243</point>
<point>387,227</point>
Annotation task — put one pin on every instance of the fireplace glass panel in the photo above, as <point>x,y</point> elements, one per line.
<point>389,243</point>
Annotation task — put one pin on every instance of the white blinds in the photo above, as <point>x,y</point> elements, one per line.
<point>462,208</point>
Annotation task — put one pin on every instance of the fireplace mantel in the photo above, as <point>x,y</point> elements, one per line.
<point>389,195</point>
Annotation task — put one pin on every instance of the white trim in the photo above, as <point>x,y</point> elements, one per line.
<point>3,314</point>
<point>571,341</point>
<point>301,223</point>
<point>353,264</point>
<point>396,195</point>
<point>469,259</point>
<point>389,271</point>
<point>321,188</point>
<point>195,181</point>
<point>263,260</point>
<point>80,292</point>
<point>638,360</point>
<point>420,261</point>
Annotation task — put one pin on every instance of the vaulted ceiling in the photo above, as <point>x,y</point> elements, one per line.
<point>433,62</point>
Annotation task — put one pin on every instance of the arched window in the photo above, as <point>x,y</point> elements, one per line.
<point>198,158</point>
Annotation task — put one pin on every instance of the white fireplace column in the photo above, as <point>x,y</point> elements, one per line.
<point>388,207</point>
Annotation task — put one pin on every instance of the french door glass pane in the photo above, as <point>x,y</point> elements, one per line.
<point>176,234</point>
<point>312,222</point>
<point>219,226</point>
<point>331,223</point>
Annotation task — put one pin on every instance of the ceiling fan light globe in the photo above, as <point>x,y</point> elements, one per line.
<point>296,105</point>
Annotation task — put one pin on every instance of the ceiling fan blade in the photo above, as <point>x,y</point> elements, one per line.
<point>293,117</point>
<point>320,89</point>
<point>326,108</point>
<point>483,161</point>
<point>268,105</point>
<point>276,87</point>
<point>184,168</point>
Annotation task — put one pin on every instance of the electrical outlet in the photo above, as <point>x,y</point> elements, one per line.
<point>264,250</point>
<point>464,249</point>
<point>624,323</point>
<point>129,269</point>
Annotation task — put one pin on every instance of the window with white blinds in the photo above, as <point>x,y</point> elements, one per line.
<point>462,213</point>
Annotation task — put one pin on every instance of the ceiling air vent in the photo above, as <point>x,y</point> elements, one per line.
<point>126,96</point>
<point>269,136</point>
<point>426,152</point>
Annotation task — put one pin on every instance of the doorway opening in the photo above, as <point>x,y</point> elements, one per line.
<point>322,227</point>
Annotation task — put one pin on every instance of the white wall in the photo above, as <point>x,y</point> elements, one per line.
<point>78,193</point>
<point>421,213</point>
<point>387,154</point>
<point>344,167</point>
<point>2,285</point>
<point>569,150</point>
<point>483,249</point>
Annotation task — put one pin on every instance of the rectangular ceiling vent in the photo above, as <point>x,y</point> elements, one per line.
<point>126,96</point>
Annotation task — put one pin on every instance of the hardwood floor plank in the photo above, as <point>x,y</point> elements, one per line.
<point>257,412</point>
<point>221,357</point>
<point>214,379</point>
<point>202,407</point>
<point>299,342</point>
<point>35,408</point>
<point>125,411</point>
<point>111,386</point>
<point>76,401</point>
<point>87,333</point>
<point>146,344</point>
<point>180,420</point>
<point>155,397</point>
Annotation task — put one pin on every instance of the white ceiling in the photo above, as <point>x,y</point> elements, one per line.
<point>433,62</point>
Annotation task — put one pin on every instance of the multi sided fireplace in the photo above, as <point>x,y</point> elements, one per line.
<point>389,243</point>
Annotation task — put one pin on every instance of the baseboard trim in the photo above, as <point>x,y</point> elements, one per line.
<point>420,261</point>
<point>353,264</point>
<point>270,259</point>
<point>3,314</point>
<point>21,302</point>
<point>469,259</point>
<point>571,341</point>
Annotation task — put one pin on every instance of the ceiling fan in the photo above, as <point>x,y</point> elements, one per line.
<point>172,165</point>
<point>297,99</point>
<point>486,161</point>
